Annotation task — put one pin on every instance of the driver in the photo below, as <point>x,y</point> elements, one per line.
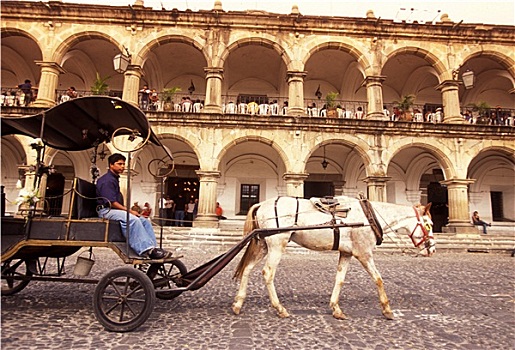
<point>142,238</point>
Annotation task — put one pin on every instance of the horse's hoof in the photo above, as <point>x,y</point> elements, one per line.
<point>236,309</point>
<point>284,314</point>
<point>339,316</point>
<point>388,315</point>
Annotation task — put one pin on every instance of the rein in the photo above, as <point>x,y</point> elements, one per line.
<point>369,212</point>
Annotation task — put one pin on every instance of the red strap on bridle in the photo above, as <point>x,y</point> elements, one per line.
<point>422,227</point>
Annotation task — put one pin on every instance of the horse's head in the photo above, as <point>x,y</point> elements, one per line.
<point>422,234</point>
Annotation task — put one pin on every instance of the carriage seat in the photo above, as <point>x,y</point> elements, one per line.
<point>329,205</point>
<point>84,207</point>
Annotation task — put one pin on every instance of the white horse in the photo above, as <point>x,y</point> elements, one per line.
<point>355,241</point>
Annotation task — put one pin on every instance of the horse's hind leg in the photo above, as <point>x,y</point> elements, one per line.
<point>244,281</point>
<point>274,257</point>
<point>343,266</point>
<point>368,264</point>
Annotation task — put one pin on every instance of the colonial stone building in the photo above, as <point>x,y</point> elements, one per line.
<point>232,156</point>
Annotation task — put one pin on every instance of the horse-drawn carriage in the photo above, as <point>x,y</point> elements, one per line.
<point>124,297</point>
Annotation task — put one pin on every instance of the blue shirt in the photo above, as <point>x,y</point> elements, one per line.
<point>108,187</point>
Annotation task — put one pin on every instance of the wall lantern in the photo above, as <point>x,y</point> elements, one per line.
<point>324,163</point>
<point>122,61</point>
<point>468,79</point>
<point>318,93</point>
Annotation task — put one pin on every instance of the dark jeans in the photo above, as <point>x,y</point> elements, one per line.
<point>481,223</point>
<point>179,218</point>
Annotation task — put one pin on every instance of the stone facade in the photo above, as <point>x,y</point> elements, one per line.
<point>370,62</point>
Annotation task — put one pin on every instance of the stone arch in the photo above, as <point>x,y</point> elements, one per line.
<point>356,144</point>
<point>20,50</point>
<point>435,62</point>
<point>73,39</point>
<point>340,46</point>
<point>143,54</point>
<point>498,57</point>
<point>282,155</point>
<point>262,39</point>
<point>437,150</point>
<point>9,31</point>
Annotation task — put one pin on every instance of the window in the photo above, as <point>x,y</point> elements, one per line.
<point>259,99</point>
<point>248,197</point>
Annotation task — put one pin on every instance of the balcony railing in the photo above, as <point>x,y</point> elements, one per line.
<point>278,105</point>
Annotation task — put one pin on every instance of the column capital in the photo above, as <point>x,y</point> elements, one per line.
<point>134,69</point>
<point>295,176</point>
<point>457,182</point>
<point>373,79</point>
<point>51,65</point>
<point>296,75</point>
<point>213,71</point>
<point>378,179</point>
<point>447,85</point>
<point>204,174</point>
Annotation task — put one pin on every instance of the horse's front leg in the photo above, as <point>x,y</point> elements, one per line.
<point>274,257</point>
<point>368,263</point>
<point>343,266</point>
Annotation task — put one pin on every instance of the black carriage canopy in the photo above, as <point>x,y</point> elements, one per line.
<point>82,123</point>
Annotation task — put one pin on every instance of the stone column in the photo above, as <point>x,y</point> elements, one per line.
<point>451,102</point>
<point>376,187</point>
<point>131,79</point>
<point>296,93</point>
<point>47,84</point>
<point>206,216</point>
<point>214,78</point>
<point>338,187</point>
<point>459,220</point>
<point>413,196</point>
<point>375,97</point>
<point>295,184</point>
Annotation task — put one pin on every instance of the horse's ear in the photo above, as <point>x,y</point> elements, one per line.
<point>428,206</point>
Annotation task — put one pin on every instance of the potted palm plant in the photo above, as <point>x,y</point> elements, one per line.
<point>167,96</point>
<point>481,108</point>
<point>330,102</point>
<point>405,106</point>
<point>100,86</point>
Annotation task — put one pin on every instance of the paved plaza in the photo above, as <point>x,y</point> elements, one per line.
<point>449,301</point>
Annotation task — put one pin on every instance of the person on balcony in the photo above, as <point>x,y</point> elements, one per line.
<point>230,108</point>
<point>144,98</point>
<point>242,107</point>
<point>252,108</point>
<point>197,106</point>
<point>26,88</point>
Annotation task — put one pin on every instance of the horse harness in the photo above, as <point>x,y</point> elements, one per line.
<point>329,205</point>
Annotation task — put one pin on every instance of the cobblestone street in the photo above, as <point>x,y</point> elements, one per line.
<point>449,301</point>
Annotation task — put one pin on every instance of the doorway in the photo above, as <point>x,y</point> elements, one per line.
<point>318,189</point>
<point>437,195</point>
<point>54,194</point>
<point>497,206</point>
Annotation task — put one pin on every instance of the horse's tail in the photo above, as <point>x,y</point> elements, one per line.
<point>256,246</point>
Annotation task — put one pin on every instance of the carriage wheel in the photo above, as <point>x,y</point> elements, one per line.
<point>16,268</point>
<point>163,275</point>
<point>124,299</point>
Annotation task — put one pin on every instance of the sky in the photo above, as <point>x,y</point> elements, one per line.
<point>488,12</point>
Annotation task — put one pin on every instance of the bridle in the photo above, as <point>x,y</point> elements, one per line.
<point>424,225</point>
